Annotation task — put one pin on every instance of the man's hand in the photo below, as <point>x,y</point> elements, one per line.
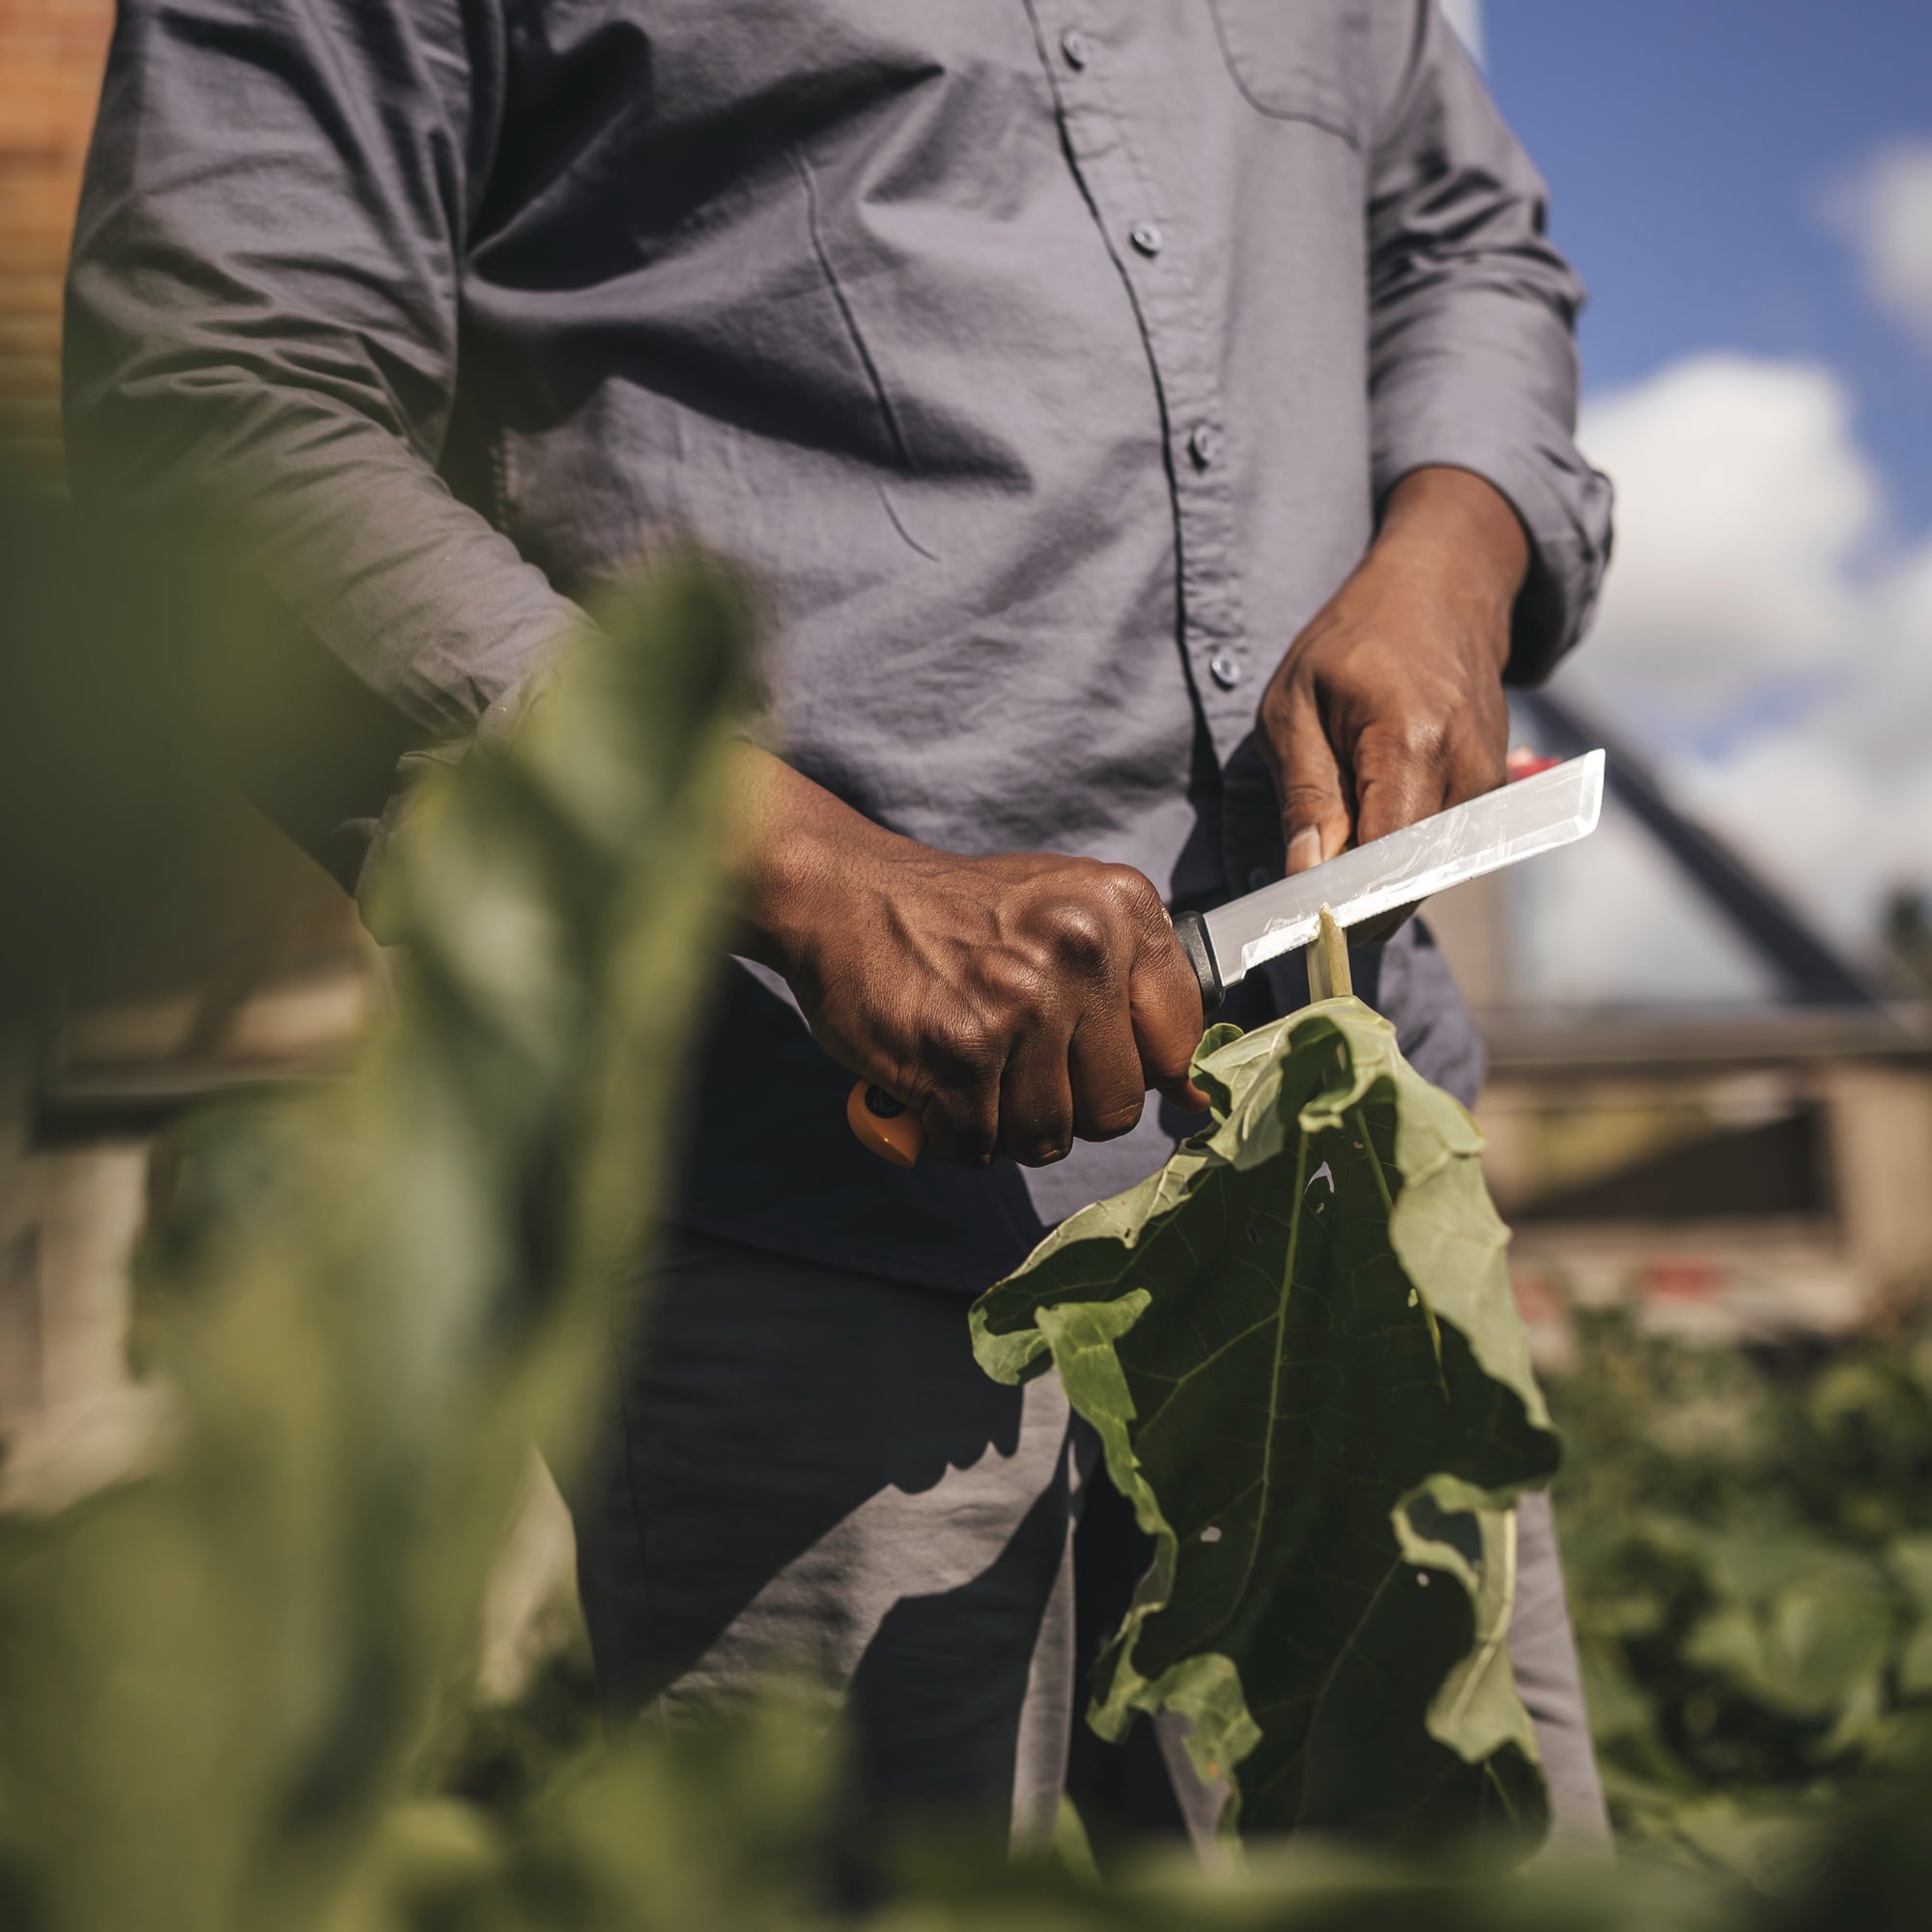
<point>1389,706</point>
<point>1013,1003</point>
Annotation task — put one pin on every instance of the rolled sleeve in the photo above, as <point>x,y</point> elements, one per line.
<point>1472,354</point>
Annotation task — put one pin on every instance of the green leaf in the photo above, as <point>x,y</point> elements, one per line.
<point>1299,1349</point>
<point>1802,1627</point>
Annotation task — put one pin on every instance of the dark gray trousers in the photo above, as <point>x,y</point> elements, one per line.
<point>811,1478</point>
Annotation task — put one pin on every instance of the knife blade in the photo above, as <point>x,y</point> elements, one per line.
<point>1537,815</point>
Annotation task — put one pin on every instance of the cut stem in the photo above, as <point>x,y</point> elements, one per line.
<point>1328,975</point>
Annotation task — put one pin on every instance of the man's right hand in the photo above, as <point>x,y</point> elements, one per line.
<point>1013,1003</point>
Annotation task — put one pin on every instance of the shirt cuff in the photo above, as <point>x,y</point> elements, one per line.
<point>1564,506</point>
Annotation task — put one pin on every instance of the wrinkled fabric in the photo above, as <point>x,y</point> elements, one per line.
<point>1047,361</point>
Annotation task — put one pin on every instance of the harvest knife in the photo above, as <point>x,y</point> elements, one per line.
<point>1373,882</point>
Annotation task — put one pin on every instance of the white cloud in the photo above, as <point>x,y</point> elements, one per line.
<point>1742,500</point>
<point>1884,212</point>
<point>1754,637</point>
<point>1833,826</point>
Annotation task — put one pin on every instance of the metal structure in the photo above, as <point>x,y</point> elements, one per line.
<point>1748,1171</point>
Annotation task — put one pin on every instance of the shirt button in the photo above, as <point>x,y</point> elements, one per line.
<point>1145,237</point>
<point>1225,671</point>
<point>1260,876</point>
<point>1204,446</point>
<point>1076,46</point>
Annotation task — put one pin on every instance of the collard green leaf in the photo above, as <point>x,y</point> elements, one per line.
<point>1299,1347</point>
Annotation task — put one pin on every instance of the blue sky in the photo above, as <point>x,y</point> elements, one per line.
<point>1691,146</point>
<point>1746,187</point>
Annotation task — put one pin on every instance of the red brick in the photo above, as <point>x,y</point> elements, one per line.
<point>50,58</point>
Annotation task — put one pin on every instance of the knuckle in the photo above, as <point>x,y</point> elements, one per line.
<point>1164,1009</point>
<point>1077,930</point>
<point>1043,1150</point>
<point>1271,714</point>
<point>1303,802</point>
<point>1287,694</point>
<point>962,1044</point>
<point>1417,735</point>
<point>1130,889</point>
<point>1037,1136</point>
<point>963,1137</point>
<point>1018,986</point>
<point>1109,1122</point>
<point>1170,1060</point>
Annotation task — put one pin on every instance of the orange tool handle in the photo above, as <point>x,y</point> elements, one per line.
<point>888,1128</point>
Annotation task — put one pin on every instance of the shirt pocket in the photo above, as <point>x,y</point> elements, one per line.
<point>1300,60</point>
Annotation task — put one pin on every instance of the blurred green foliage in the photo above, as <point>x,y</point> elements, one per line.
<point>1748,1541</point>
<point>224,1675</point>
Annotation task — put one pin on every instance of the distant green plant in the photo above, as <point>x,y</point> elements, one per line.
<point>1750,1550</point>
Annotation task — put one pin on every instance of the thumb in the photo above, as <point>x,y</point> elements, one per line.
<point>1316,820</point>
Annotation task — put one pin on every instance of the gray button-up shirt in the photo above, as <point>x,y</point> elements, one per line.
<point>1048,358</point>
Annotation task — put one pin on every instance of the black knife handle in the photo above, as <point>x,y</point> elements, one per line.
<point>1191,929</point>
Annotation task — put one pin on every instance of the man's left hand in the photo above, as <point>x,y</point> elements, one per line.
<point>1389,706</point>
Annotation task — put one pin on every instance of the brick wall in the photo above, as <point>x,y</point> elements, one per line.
<point>50,56</point>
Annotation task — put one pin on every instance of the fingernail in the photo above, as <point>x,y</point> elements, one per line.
<point>1304,849</point>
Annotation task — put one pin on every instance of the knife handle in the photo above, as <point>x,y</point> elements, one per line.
<point>1191,929</point>
<point>885,1127</point>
